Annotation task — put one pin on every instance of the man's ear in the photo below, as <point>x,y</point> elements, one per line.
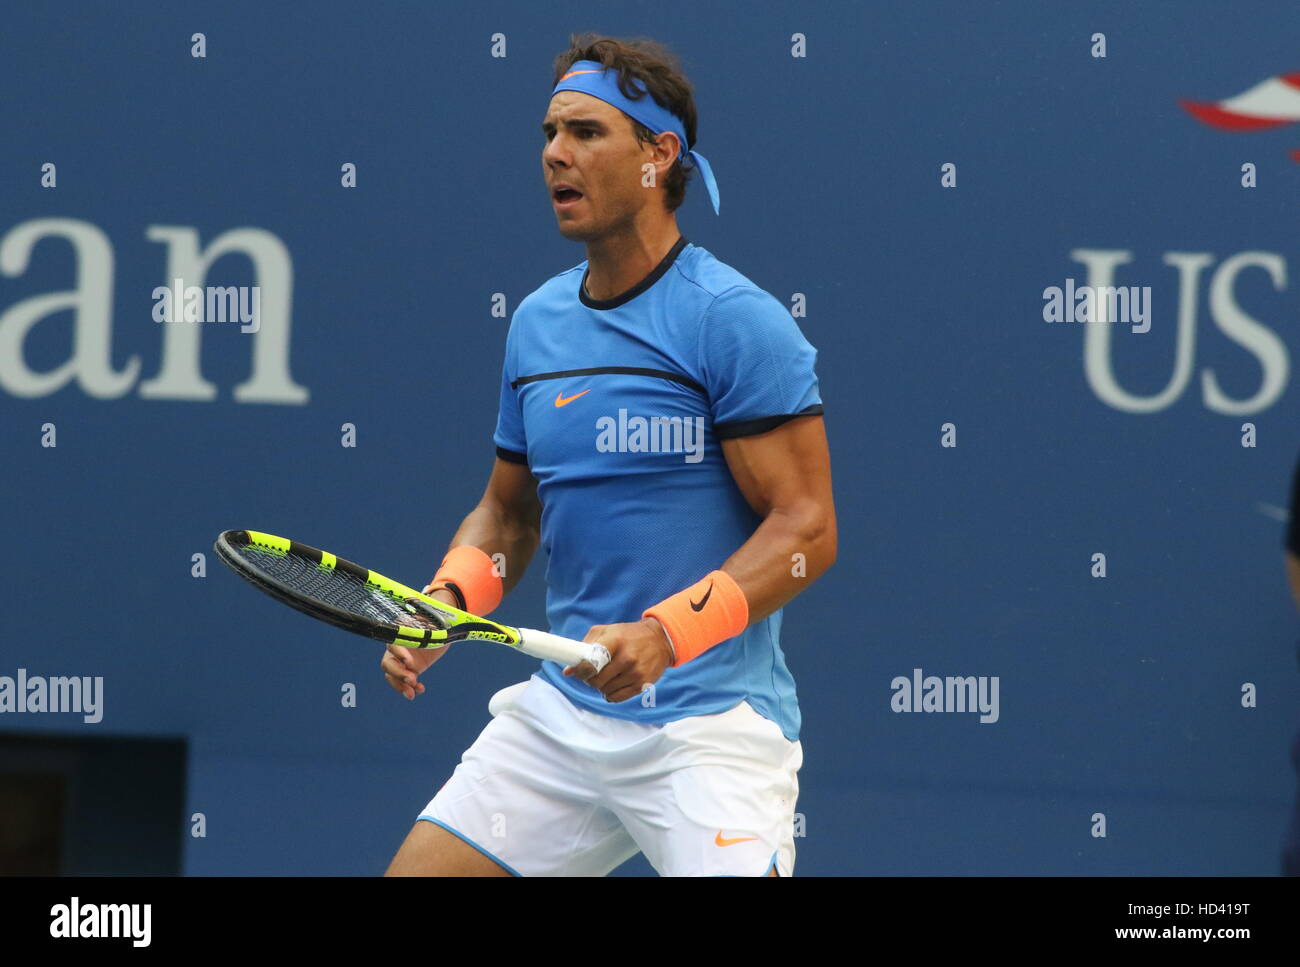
<point>664,144</point>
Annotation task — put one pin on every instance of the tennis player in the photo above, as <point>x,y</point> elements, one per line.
<point>660,435</point>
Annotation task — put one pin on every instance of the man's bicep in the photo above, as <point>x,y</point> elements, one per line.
<point>512,490</point>
<point>784,468</point>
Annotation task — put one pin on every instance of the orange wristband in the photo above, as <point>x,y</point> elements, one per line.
<point>705,614</point>
<point>470,573</point>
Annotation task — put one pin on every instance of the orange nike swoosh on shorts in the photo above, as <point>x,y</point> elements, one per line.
<point>719,841</point>
<point>561,400</point>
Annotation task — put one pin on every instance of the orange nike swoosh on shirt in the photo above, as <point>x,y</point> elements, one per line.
<point>719,841</point>
<point>562,400</point>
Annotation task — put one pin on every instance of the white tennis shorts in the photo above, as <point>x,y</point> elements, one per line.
<point>549,789</point>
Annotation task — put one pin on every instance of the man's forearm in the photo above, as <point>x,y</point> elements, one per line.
<point>495,532</point>
<point>789,550</point>
<point>1293,576</point>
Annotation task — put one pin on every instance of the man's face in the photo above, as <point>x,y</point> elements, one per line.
<point>590,146</point>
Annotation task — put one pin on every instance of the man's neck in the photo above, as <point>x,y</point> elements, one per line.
<point>617,263</point>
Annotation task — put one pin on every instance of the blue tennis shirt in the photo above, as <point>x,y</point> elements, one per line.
<point>618,407</point>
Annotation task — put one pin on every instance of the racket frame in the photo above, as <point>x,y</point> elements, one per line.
<point>461,625</point>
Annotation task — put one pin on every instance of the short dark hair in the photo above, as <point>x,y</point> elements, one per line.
<point>659,71</point>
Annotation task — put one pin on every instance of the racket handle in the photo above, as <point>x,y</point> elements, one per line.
<point>543,644</point>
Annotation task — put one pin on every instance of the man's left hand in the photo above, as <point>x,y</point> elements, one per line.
<point>638,654</point>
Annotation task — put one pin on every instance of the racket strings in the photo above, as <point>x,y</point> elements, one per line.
<point>337,588</point>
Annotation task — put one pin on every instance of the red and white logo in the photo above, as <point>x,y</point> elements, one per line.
<point>1269,104</point>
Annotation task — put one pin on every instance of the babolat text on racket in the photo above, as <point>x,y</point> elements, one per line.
<point>350,597</point>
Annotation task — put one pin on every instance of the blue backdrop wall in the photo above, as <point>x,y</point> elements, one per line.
<point>1120,695</point>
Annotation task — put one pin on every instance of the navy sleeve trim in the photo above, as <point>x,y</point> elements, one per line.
<point>512,456</point>
<point>738,428</point>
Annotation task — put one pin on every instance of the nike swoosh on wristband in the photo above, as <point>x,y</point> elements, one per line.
<point>704,600</point>
<point>561,400</point>
<point>719,841</point>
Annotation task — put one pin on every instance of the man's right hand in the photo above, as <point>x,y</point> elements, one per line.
<point>402,666</point>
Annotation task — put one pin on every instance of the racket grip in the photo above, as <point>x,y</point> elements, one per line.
<point>544,645</point>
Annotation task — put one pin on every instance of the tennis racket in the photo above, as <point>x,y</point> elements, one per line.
<point>365,602</point>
